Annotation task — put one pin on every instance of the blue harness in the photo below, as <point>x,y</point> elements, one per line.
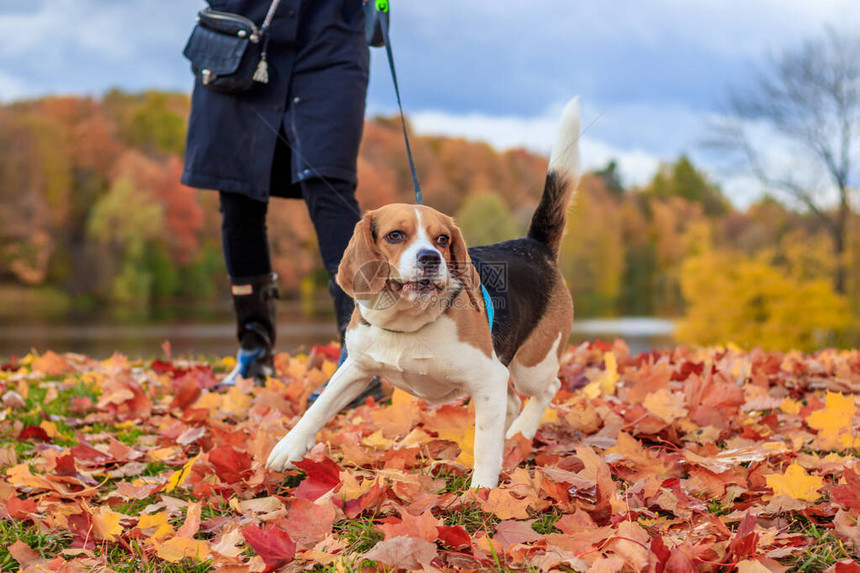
<point>488,303</point>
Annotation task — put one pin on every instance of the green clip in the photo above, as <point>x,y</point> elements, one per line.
<point>382,5</point>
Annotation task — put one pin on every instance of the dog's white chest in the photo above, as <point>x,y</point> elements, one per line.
<point>432,363</point>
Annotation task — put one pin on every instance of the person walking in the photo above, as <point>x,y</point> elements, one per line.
<point>296,136</point>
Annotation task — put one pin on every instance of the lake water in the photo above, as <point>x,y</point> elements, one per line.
<point>212,334</point>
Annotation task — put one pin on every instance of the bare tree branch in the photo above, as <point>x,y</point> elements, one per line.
<point>809,98</point>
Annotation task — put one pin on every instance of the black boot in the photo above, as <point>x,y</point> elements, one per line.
<point>254,306</point>
<point>343,309</point>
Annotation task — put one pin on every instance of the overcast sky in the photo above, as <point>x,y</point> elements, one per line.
<point>649,73</point>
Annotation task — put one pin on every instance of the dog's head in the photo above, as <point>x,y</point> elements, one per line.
<point>413,253</point>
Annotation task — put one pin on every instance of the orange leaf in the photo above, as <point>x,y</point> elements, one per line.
<point>106,524</point>
<point>504,505</point>
<point>404,553</point>
<point>423,526</point>
<point>179,548</point>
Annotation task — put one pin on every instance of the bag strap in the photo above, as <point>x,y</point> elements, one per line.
<point>269,15</point>
<point>261,74</point>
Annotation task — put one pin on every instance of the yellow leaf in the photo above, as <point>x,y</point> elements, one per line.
<point>834,422</point>
<point>465,438</point>
<point>550,416</point>
<point>159,521</point>
<point>377,440</point>
<point>732,347</point>
<point>228,362</point>
<point>790,406</point>
<point>604,382</point>
<point>178,548</point>
<point>106,524</point>
<point>591,390</point>
<point>795,483</point>
<point>351,488</point>
<point>20,475</point>
<point>210,401</point>
<point>414,438</point>
<point>399,397</point>
<point>235,401</point>
<point>178,478</point>
<point>329,368</point>
<point>49,427</point>
<point>666,405</point>
<point>163,454</point>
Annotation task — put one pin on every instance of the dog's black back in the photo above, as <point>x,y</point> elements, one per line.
<point>517,304</point>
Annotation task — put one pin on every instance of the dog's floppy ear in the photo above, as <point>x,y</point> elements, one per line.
<point>363,271</point>
<point>461,264</point>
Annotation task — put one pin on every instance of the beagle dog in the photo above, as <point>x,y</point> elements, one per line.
<point>421,316</point>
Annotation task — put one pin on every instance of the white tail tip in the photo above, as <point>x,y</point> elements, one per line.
<point>565,152</point>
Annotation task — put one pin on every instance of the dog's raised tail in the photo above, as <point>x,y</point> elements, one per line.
<point>562,176</point>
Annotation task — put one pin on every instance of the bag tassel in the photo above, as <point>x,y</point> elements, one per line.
<point>262,73</point>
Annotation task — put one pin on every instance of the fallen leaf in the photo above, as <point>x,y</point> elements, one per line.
<point>25,555</point>
<point>666,405</point>
<point>504,505</point>
<point>106,523</point>
<point>271,543</point>
<point>795,483</point>
<point>834,422</point>
<point>321,478</point>
<point>423,526</point>
<point>511,532</point>
<point>155,526</point>
<point>308,523</point>
<point>404,553</point>
<point>178,548</point>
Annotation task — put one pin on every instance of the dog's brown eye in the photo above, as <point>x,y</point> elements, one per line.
<point>395,237</point>
<point>443,240</point>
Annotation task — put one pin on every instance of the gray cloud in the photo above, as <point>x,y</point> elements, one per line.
<point>652,71</point>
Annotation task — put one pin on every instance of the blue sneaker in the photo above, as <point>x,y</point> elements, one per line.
<point>250,364</point>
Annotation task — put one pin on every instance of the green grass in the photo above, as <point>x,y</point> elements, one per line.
<point>46,543</point>
<point>454,482</point>
<point>545,523</point>
<point>472,518</point>
<point>824,548</point>
<point>360,533</point>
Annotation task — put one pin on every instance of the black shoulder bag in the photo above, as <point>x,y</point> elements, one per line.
<point>228,51</point>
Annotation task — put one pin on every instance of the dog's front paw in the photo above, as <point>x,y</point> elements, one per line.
<point>290,449</point>
<point>488,481</point>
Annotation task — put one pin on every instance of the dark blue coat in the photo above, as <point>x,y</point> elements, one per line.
<point>318,67</point>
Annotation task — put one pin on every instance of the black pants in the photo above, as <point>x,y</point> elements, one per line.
<point>244,234</point>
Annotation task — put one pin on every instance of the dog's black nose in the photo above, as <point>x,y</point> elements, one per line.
<point>429,260</point>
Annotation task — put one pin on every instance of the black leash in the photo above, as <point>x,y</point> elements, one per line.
<point>383,7</point>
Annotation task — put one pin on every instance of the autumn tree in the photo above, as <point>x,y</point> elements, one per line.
<point>682,179</point>
<point>805,104</point>
<point>732,297</point>
<point>485,218</point>
<point>592,251</point>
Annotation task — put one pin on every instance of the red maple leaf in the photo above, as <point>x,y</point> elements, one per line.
<point>322,477</point>
<point>230,464</point>
<point>34,433</point>
<point>272,544</point>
